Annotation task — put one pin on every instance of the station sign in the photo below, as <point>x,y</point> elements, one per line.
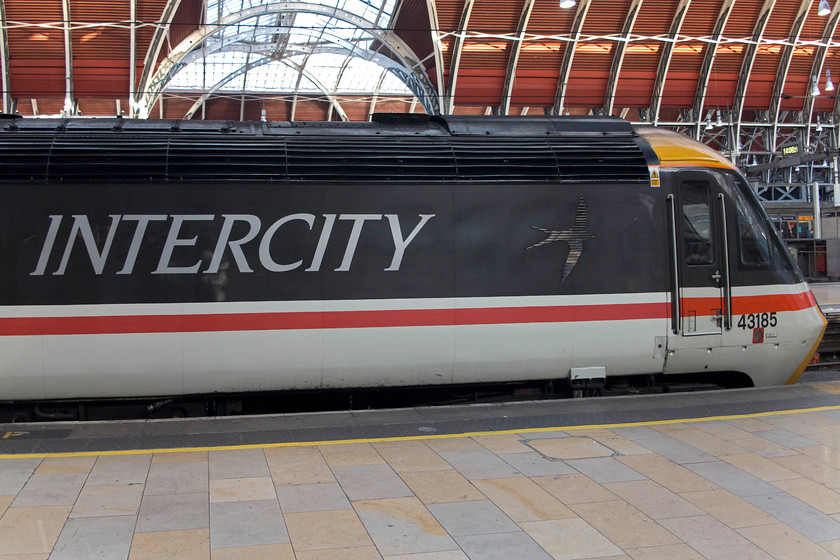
<point>792,149</point>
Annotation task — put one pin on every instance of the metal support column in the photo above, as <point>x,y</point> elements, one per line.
<point>4,61</point>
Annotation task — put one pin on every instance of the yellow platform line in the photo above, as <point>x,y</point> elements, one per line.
<point>9,435</point>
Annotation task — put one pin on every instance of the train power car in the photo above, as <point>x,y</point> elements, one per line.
<point>166,258</point>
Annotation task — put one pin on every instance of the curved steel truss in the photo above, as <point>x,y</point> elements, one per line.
<point>213,38</point>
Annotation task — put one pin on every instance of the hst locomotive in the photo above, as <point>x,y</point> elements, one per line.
<point>166,258</point>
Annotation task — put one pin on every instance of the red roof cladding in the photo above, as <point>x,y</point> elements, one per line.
<point>101,67</point>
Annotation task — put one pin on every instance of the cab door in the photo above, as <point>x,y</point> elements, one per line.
<point>700,292</point>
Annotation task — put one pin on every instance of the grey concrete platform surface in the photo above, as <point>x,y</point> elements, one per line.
<point>721,475</point>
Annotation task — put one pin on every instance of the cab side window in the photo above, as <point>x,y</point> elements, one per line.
<point>697,224</point>
<point>753,240</point>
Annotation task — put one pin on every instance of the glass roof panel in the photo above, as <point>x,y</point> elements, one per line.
<point>361,76</point>
<point>319,42</point>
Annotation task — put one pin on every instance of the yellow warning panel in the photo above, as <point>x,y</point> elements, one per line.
<point>654,175</point>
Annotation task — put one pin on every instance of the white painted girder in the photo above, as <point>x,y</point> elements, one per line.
<point>152,54</point>
<point>665,60</point>
<point>750,51</point>
<point>5,72</point>
<point>69,102</point>
<point>784,66</point>
<point>569,56</point>
<point>618,56</point>
<point>455,62</point>
<point>708,62</point>
<point>513,59</point>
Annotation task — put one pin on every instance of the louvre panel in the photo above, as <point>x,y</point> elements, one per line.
<point>505,160</point>
<point>226,159</point>
<point>369,159</point>
<point>24,160</point>
<point>601,161</point>
<point>100,158</point>
<point>502,153</point>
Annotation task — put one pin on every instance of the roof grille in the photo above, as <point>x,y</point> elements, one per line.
<point>106,158</point>
<point>183,157</point>
<point>370,159</point>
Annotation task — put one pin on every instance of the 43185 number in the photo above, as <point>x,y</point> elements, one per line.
<point>757,320</point>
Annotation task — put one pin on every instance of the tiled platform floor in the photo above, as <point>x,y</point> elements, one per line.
<point>760,487</point>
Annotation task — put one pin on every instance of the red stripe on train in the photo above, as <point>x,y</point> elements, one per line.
<point>125,324</point>
<point>743,305</point>
<point>218,322</point>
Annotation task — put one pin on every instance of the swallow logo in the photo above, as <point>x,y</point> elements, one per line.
<point>574,238</point>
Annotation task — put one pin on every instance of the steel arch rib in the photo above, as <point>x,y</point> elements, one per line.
<point>819,61</point>
<point>665,60</point>
<point>747,66</point>
<point>507,91</point>
<point>132,56</point>
<point>68,60</point>
<point>375,98</point>
<point>152,53</point>
<point>301,70</point>
<point>708,62</point>
<point>233,42</point>
<point>569,57</point>
<point>218,85</point>
<point>338,79</point>
<point>342,47</point>
<point>264,60</point>
<point>153,86</point>
<point>4,61</point>
<point>454,64</point>
<point>618,58</point>
<point>784,66</point>
<point>435,31</point>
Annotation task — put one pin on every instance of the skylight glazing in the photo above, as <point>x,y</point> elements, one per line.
<point>320,47</point>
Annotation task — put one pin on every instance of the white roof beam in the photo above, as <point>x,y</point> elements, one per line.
<point>784,66</point>
<point>706,67</point>
<point>455,62</point>
<point>431,8</point>
<point>568,58</point>
<point>375,98</point>
<point>345,63</point>
<point>819,61</point>
<point>300,73</point>
<point>152,54</point>
<point>69,102</point>
<point>513,59</point>
<point>665,60</point>
<point>750,51</point>
<point>132,55</point>
<point>618,58</point>
<point>4,61</point>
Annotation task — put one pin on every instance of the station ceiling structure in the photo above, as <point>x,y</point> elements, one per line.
<point>749,77</point>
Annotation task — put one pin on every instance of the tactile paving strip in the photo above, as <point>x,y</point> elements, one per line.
<point>80,437</point>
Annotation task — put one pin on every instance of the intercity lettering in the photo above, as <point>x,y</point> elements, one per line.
<point>81,229</point>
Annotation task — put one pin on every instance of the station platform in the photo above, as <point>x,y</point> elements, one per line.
<point>747,474</point>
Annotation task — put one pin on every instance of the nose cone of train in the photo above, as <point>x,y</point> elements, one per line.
<point>813,329</point>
